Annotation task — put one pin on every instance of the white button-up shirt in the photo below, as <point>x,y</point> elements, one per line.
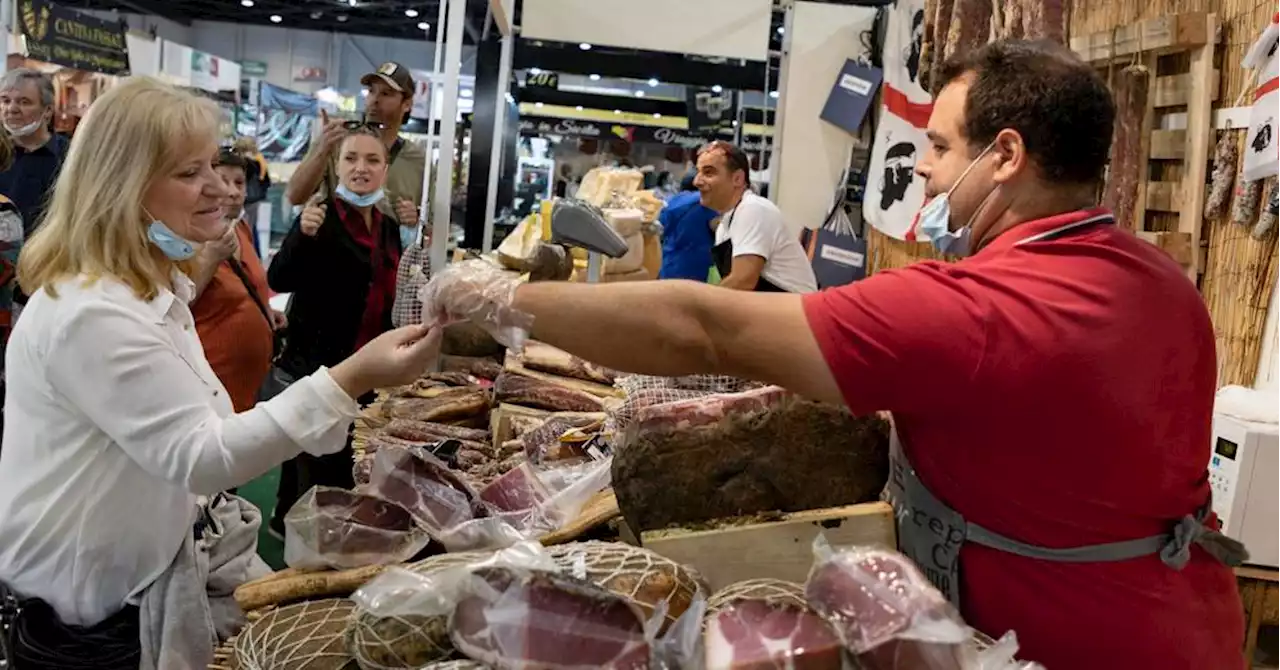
<point>114,424</point>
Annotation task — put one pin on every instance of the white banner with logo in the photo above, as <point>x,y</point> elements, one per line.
<point>894,191</point>
<point>1262,151</point>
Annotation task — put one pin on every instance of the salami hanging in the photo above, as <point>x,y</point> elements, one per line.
<point>1128,165</point>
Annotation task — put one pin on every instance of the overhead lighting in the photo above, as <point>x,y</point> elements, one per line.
<point>617,111</point>
<point>275,18</point>
<point>781,30</point>
<point>411,13</point>
<point>246,3</point>
<point>510,98</point>
<point>735,123</point>
<point>466,93</point>
<point>579,108</point>
<point>717,88</point>
<point>653,82</point>
<point>423,25</point>
<point>773,94</point>
<point>639,94</point>
<point>537,104</point>
<point>657,115</point>
<point>316,15</point>
<point>342,18</point>
<point>595,77</point>
<point>535,70</point>
<point>351,3</point>
<point>584,46</point>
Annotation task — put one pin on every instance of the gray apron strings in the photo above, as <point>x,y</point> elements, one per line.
<point>931,533</point>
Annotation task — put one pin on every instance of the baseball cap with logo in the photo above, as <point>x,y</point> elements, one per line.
<point>394,74</point>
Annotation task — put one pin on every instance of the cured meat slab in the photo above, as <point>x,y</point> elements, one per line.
<point>744,453</point>
<point>642,576</point>
<point>757,635</point>
<point>546,358</point>
<point>455,404</point>
<point>335,528</point>
<point>529,392</point>
<point>425,431</point>
<point>520,620</point>
<point>482,367</point>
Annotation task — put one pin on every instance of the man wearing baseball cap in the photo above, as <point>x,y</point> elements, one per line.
<point>386,107</point>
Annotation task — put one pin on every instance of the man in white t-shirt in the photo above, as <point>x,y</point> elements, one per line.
<point>754,250</point>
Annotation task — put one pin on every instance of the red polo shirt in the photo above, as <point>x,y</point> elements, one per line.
<point>1058,392</point>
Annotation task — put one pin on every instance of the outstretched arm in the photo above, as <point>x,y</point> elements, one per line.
<point>681,327</point>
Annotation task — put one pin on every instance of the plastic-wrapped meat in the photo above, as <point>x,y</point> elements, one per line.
<point>484,368</point>
<point>517,490</point>
<point>423,431</point>
<point>436,497</point>
<point>886,612</point>
<point>1245,205</point>
<point>525,620</point>
<point>335,528</point>
<point>755,635</point>
<point>459,403</point>
<point>529,392</point>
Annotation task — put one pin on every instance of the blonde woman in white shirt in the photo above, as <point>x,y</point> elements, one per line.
<point>117,427</point>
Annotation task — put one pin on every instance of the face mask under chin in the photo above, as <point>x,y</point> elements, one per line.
<point>25,131</point>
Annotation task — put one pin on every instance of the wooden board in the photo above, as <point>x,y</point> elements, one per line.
<point>1173,90</point>
<point>599,510</point>
<point>778,549</point>
<point>1166,34</point>
<point>1195,168</point>
<point>1177,245</point>
<point>1168,145</point>
<point>500,420</point>
<point>1164,196</point>
<point>513,364</point>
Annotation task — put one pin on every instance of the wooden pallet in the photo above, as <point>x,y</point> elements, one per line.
<point>1260,591</point>
<point>777,549</point>
<point>1194,92</point>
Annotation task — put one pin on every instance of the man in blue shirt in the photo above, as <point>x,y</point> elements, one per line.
<point>26,103</point>
<point>686,235</point>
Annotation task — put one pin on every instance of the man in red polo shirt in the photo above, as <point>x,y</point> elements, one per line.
<point>1052,391</point>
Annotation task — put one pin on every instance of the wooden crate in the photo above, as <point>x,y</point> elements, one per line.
<point>781,549</point>
<point>1260,591</point>
<point>1192,91</point>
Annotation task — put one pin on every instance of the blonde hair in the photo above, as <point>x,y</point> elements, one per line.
<point>95,224</point>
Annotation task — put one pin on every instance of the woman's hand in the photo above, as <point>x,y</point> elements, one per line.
<point>224,247</point>
<point>394,358</point>
<point>312,216</point>
<point>406,212</point>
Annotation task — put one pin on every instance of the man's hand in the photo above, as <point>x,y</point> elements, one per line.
<point>406,212</point>
<point>394,358</point>
<point>312,216</point>
<point>332,132</point>
<point>278,320</point>
<point>482,293</point>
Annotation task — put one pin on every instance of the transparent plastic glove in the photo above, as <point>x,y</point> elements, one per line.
<point>482,293</point>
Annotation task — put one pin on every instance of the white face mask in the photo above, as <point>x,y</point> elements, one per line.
<point>934,219</point>
<point>27,130</point>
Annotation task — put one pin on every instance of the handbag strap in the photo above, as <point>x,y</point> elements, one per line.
<point>237,268</point>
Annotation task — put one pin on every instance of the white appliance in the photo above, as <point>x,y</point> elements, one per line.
<point>1244,466</point>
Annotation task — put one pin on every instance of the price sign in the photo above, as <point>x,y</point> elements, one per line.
<point>542,80</point>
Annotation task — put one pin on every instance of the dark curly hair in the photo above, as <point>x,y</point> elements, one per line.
<point>1058,104</point>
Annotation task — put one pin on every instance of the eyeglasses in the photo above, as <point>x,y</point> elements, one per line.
<point>364,125</point>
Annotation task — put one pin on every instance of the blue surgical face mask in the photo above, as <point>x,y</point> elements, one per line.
<point>408,235</point>
<point>172,245</point>
<point>934,219</point>
<point>367,200</point>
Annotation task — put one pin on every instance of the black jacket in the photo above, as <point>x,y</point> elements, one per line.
<point>329,276</point>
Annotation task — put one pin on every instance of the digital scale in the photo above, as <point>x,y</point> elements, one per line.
<point>575,223</point>
<point>1243,467</point>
